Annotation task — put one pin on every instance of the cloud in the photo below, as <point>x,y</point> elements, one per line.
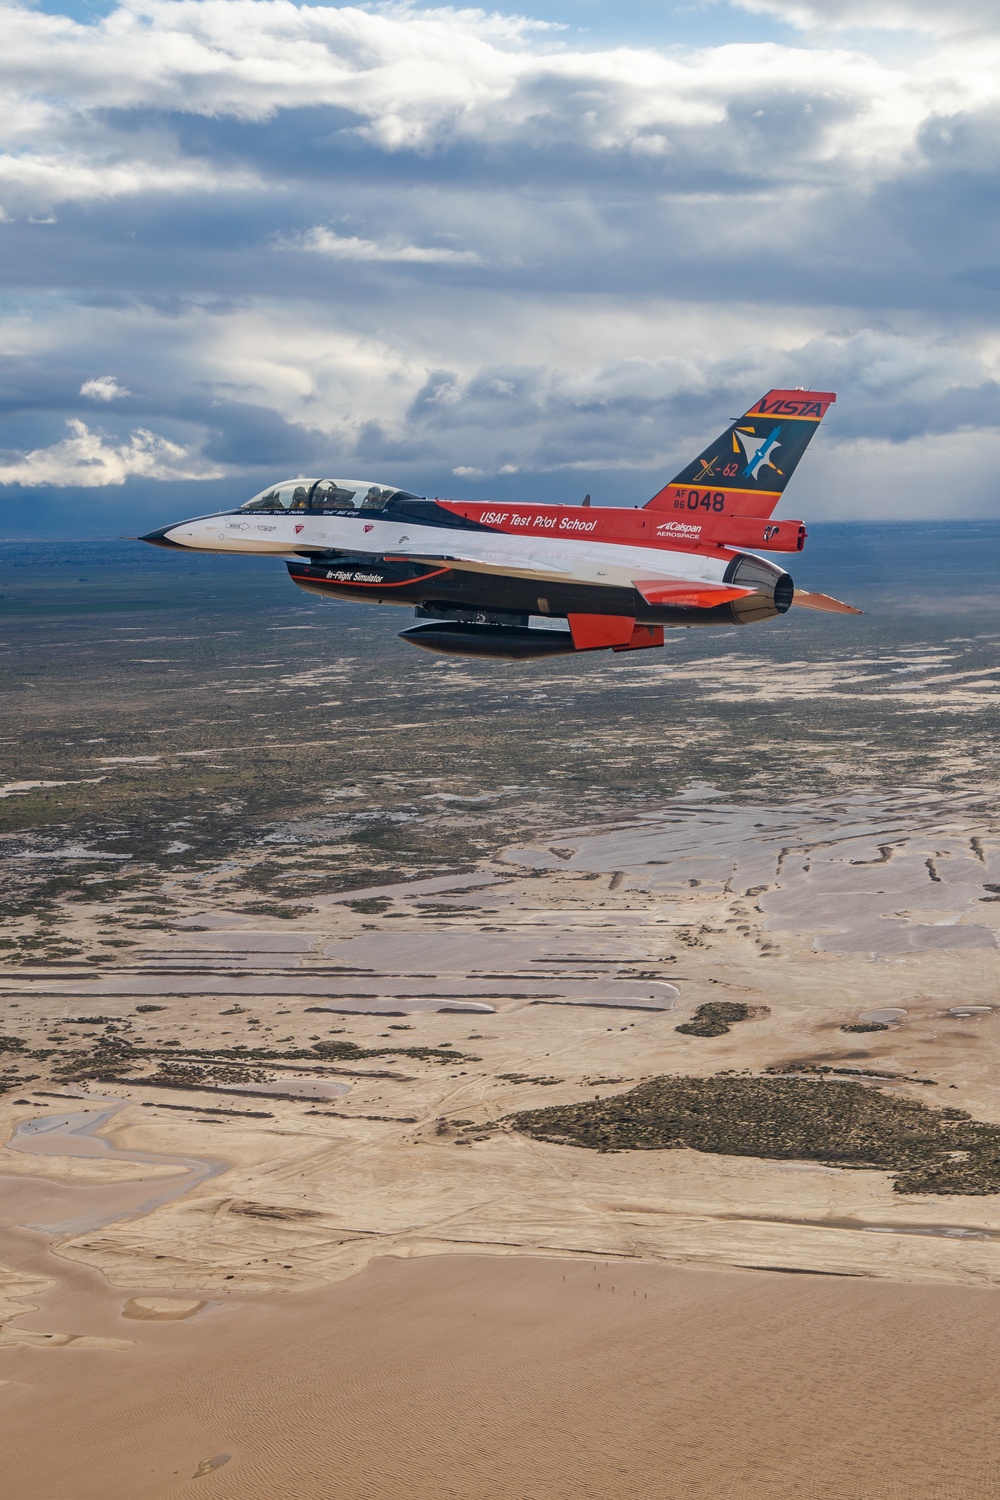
<point>103,388</point>
<point>845,479</point>
<point>964,16</point>
<point>50,169</point>
<point>530,392</point>
<point>636,412</point>
<point>323,241</point>
<point>87,460</point>
<point>431,83</point>
<point>438,243</point>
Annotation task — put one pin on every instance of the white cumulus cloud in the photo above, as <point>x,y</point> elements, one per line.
<point>433,80</point>
<point>89,460</point>
<point>104,388</point>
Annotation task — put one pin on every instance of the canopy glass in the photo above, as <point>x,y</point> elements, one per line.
<point>326,495</point>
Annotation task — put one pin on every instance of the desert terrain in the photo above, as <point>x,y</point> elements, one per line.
<point>285,974</point>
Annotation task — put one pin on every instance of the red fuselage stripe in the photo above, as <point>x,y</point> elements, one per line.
<point>704,531</point>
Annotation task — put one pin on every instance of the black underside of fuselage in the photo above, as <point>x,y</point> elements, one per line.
<point>440,589</point>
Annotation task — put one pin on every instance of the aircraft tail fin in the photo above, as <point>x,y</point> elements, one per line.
<point>745,471</point>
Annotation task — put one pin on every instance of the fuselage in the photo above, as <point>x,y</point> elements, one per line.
<point>522,580</point>
<point>385,545</point>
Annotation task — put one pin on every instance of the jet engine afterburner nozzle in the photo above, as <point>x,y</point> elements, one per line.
<point>773,588</point>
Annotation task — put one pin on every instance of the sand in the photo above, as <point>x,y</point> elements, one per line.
<point>160,1308</point>
<point>895,874</point>
<point>472,1379</point>
<point>357,1293</point>
<point>670,910</point>
<point>314,1323</point>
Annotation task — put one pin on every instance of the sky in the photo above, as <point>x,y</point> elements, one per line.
<point>495,254</point>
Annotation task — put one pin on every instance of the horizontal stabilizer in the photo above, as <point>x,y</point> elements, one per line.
<point>675,593</point>
<point>825,603</point>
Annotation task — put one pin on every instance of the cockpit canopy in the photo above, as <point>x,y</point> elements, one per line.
<point>326,495</point>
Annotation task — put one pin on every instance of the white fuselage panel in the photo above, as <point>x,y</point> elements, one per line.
<point>560,558</point>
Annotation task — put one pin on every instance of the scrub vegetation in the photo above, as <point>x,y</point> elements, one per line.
<point>841,1123</point>
<point>115,1051</point>
<point>188,734</point>
<point>717,1016</point>
<point>180,716</point>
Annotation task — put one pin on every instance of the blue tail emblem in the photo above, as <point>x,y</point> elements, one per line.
<point>760,454</point>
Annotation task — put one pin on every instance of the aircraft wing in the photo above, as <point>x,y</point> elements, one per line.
<point>516,565</point>
<point>681,593</point>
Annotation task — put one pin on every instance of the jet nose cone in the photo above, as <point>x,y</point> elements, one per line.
<point>161,538</point>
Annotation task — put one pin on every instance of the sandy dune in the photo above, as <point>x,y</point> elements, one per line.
<point>470,1379</point>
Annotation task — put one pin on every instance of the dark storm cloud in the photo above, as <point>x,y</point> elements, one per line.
<point>242,436</point>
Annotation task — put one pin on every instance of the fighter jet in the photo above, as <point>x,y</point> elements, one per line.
<point>531,579</point>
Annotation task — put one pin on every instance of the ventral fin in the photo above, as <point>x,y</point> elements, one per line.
<point>592,632</point>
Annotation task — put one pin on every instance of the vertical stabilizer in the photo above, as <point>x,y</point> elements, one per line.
<point>745,471</point>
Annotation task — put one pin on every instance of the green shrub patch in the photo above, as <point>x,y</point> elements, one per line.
<point>716,1017</point>
<point>842,1123</point>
